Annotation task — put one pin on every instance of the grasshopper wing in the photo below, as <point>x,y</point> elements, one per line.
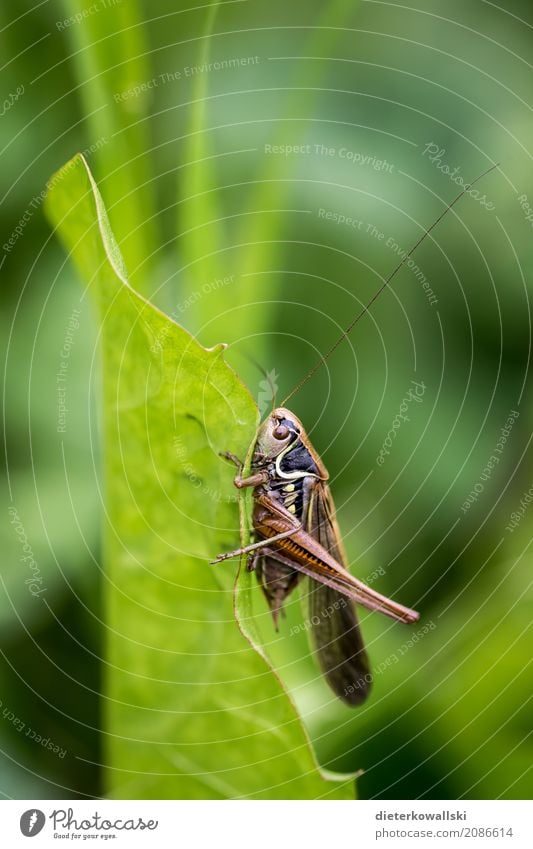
<point>335,632</point>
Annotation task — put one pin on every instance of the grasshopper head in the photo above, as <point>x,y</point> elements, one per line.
<point>279,431</point>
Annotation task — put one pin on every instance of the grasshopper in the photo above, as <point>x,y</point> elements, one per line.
<point>297,535</point>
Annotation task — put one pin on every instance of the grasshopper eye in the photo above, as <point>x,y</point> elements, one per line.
<point>280,432</point>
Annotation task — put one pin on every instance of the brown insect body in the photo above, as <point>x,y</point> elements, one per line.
<point>297,536</point>
<point>333,626</point>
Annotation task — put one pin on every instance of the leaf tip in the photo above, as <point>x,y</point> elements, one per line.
<point>217,349</point>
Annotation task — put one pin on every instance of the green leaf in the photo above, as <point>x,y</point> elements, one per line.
<point>116,100</point>
<point>191,710</point>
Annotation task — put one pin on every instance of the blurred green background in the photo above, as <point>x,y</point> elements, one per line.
<point>192,161</point>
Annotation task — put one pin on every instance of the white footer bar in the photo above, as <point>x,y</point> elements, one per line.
<point>268,824</point>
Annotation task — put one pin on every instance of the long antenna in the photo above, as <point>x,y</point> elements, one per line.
<point>366,308</point>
